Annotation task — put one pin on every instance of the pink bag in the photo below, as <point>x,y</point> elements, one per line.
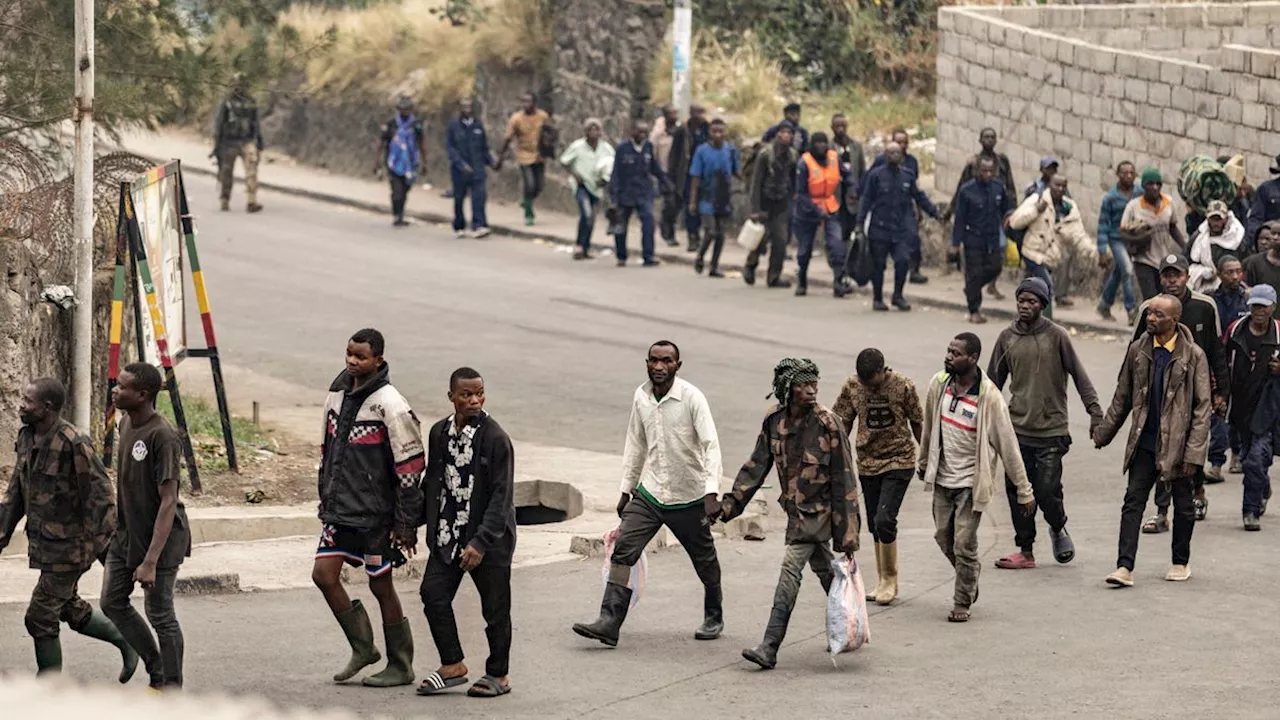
<point>638,571</point>
<point>847,623</point>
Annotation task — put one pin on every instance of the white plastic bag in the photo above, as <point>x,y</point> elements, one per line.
<point>638,571</point>
<point>847,624</point>
<point>750,235</point>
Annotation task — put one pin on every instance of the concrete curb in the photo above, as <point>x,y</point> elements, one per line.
<point>218,584</point>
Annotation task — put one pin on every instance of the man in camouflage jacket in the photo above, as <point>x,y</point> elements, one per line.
<point>816,470</point>
<point>62,488</point>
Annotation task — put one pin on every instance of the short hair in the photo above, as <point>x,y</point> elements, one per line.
<point>838,116</point>
<point>1228,258</point>
<point>148,378</point>
<point>1122,163</point>
<point>717,121</point>
<point>667,343</point>
<point>986,130</point>
<point>791,107</point>
<point>986,159</point>
<point>372,338</point>
<point>899,131</point>
<point>870,362</point>
<point>972,343</point>
<point>818,137</point>
<point>463,373</point>
<point>50,390</point>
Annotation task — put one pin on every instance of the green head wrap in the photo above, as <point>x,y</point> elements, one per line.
<point>1151,175</point>
<point>789,373</point>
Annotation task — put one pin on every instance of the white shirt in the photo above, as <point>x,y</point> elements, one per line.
<point>959,423</point>
<point>672,448</point>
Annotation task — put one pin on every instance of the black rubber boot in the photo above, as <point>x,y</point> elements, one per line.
<point>99,627</point>
<point>749,274</point>
<point>613,611</point>
<point>355,625</point>
<point>399,669</point>
<point>48,655</point>
<point>802,281</point>
<point>841,287</point>
<point>766,653</point>
<point>712,614</point>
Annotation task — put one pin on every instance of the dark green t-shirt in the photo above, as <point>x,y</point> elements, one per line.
<point>150,455</point>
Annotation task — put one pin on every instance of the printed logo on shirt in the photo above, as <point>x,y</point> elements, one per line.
<point>879,416</point>
<point>139,451</point>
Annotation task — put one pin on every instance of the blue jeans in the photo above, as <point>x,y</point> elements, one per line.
<point>1221,437</point>
<point>588,206</point>
<point>806,232</point>
<point>645,212</point>
<point>1257,469</point>
<point>1040,271</point>
<point>474,184</point>
<point>1121,277</point>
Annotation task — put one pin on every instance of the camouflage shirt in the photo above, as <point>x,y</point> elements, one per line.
<point>884,416</point>
<point>816,472</point>
<point>63,489</point>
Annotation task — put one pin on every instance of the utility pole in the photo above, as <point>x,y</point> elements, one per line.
<point>681,56</point>
<point>82,328</point>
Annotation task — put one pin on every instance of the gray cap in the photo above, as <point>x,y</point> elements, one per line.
<point>1262,295</point>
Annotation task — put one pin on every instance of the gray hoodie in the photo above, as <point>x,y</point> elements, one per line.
<point>1036,361</point>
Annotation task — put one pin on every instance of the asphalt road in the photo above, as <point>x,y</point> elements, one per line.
<point>561,345</point>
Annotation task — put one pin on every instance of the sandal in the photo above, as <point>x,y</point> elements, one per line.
<point>1202,508</point>
<point>435,682</point>
<point>958,615</point>
<point>1016,561</point>
<point>488,686</point>
<point>1157,523</point>
<point>1064,550</point>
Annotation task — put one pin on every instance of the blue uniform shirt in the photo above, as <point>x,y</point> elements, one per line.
<point>467,145</point>
<point>890,195</point>
<point>630,185</point>
<point>980,211</point>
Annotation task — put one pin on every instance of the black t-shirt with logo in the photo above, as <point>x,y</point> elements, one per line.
<point>150,455</point>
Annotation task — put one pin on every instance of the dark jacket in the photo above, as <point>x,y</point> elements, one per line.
<point>63,489</point>
<point>772,175</point>
<point>805,210</point>
<point>890,196</point>
<point>468,145</point>
<point>371,458</point>
<point>1231,305</point>
<point>630,184</point>
<point>1200,315</point>
<point>684,144</point>
<point>1184,426</point>
<point>980,212</point>
<point>1266,418</point>
<point>492,525</point>
<point>1039,360</point>
<point>1004,175</point>
<point>799,139</point>
<point>236,122</point>
<point>1265,207</point>
<point>853,167</point>
<point>1248,376</point>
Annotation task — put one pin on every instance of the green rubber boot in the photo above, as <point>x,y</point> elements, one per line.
<point>528,211</point>
<point>48,655</point>
<point>355,625</point>
<point>399,670</point>
<point>101,628</point>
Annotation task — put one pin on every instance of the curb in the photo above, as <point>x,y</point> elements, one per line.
<point>217,584</point>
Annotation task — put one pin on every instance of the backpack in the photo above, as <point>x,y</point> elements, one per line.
<point>548,140</point>
<point>241,116</point>
<point>779,185</point>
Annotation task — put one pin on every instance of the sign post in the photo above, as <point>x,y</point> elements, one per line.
<point>682,56</point>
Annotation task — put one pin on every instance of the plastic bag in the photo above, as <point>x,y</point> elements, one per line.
<point>638,571</point>
<point>1012,258</point>
<point>847,625</point>
<point>861,265</point>
<point>750,235</point>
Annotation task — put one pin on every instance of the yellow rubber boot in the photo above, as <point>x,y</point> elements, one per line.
<point>888,589</point>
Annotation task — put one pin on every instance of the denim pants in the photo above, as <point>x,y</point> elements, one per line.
<point>806,233</point>
<point>474,185</point>
<point>533,178</point>
<point>1257,472</point>
<point>163,661</point>
<point>1044,470</point>
<point>817,556</point>
<point>440,584</point>
<point>644,210</point>
<point>588,208</point>
<point>1142,477</point>
<point>1222,437</point>
<point>957,537</point>
<point>1044,273</point>
<point>1120,278</point>
<point>881,250</point>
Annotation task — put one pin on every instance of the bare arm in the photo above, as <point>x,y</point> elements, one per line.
<point>164,523</point>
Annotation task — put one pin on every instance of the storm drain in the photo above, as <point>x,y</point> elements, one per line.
<point>542,502</point>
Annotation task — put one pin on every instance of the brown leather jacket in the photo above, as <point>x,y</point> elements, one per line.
<point>1184,418</point>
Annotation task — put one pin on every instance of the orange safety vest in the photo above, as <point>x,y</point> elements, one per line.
<point>824,181</point>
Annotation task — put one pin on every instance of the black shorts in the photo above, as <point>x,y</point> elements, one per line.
<point>357,546</point>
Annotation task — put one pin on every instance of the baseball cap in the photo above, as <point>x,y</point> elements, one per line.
<point>1262,295</point>
<point>1217,208</point>
<point>1048,161</point>
<point>1174,261</point>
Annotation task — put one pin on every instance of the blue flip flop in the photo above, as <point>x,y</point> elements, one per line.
<point>434,683</point>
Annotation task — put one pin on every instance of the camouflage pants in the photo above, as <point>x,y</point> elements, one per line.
<point>957,536</point>
<point>56,600</point>
<point>227,154</point>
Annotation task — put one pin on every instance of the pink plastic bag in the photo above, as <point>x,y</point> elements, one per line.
<point>848,627</point>
<point>638,571</point>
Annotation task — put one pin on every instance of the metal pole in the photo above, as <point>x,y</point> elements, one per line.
<point>682,56</point>
<point>82,329</point>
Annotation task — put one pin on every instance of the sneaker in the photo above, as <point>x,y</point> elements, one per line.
<point>879,306</point>
<point>652,263</point>
<point>1178,573</point>
<point>1213,475</point>
<point>802,290</point>
<point>1235,468</point>
<point>1122,577</point>
<point>480,232</point>
<point>1133,316</point>
<point>252,208</point>
<point>224,205</point>
<point>1104,313</point>
<point>622,263</point>
<point>780,283</point>
<point>977,318</point>
<point>459,234</point>
<point>901,304</point>
<point>917,278</point>
<point>1251,522</point>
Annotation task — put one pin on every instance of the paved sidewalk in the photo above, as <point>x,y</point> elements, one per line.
<point>283,174</point>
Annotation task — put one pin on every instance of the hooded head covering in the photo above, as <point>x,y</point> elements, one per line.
<point>1151,175</point>
<point>1036,286</point>
<point>789,373</point>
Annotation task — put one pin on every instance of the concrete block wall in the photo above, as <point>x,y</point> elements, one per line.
<point>1094,85</point>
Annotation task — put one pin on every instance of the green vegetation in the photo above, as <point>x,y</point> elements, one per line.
<point>205,428</point>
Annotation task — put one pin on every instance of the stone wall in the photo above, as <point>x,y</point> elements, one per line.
<point>1095,85</point>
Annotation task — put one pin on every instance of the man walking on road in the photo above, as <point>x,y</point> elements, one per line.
<point>1120,279</point>
<point>1152,233</point>
<point>886,408</point>
<point>631,191</point>
<point>1164,383</point>
<point>820,499</point>
<point>153,535</point>
<point>469,158</point>
<point>966,432</point>
<point>582,159</point>
<point>890,197</point>
<point>1232,298</point>
<point>711,174</point>
<point>663,137</point>
<point>401,152</point>
<point>670,477</point>
<point>371,464</point>
<point>799,136</point>
<point>1253,346</point>
<point>469,489</point>
<point>853,167</point>
<point>61,487</point>
<point>912,165</point>
<point>1004,175</point>
<point>772,187</point>
<point>819,180</point>
<point>1054,231</point>
<point>688,137</point>
<point>524,129</point>
<point>237,134</point>
<point>1035,357</point>
<point>983,206</point>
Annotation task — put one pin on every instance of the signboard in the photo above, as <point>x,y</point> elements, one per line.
<point>155,201</point>
<point>681,55</point>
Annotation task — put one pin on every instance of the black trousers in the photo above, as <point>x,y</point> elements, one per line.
<point>777,226</point>
<point>399,192</point>
<point>534,178</point>
<point>1143,477</point>
<point>162,654</point>
<point>883,496</point>
<point>1148,280</point>
<point>440,584</point>
<point>1044,470</point>
<point>672,204</point>
<point>981,266</point>
<point>641,520</point>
